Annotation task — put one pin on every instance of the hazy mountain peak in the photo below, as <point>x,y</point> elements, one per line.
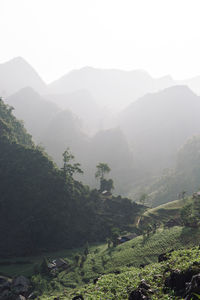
<point>168,93</point>
<point>18,64</point>
<point>167,76</point>
<point>179,90</point>
<point>16,74</point>
<point>29,92</point>
<point>112,88</point>
<point>17,59</point>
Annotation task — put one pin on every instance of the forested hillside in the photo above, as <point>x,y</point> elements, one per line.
<point>35,111</point>
<point>43,207</point>
<point>138,145</point>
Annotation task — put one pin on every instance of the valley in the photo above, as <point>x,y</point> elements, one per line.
<point>98,201</point>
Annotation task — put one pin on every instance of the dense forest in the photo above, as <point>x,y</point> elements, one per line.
<point>42,206</point>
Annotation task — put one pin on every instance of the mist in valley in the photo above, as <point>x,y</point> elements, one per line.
<point>99,149</point>
<point>127,119</point>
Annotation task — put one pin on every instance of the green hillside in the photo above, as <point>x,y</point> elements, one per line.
<point>119,286</point>
<point>43,208</point>
<point>165,214</point>
<point>125,259</point>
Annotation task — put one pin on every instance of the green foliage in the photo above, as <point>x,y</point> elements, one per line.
<point>143,198</point>
<point>11,129</point>
<point>42,207</point>
<point>113,286</point>
<point>44,266</point>
<point>86,250</point>
<point>126,258</point>
<point>102,169</point>
<point>77,258</point>
<point>114,235</point>
<point>106,184</point>
<point>190,213</point>
<point>69,169</point>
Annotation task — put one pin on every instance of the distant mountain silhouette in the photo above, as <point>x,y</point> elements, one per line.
<point>17,74</point>
<point>82,104</point>
<point>62,132</point>
<point>79,111</point>
<point>159,123</point>
<point>192,83</point>
<point>111,146</point>
<point>34,110</point>
<point>111,88</point>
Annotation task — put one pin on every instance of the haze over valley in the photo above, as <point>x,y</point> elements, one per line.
<point>133,122</point>
<point>99,150</point>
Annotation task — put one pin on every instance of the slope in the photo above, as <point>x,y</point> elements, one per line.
<point>111,88</point>
<point>17,74</point>
<point>158,124</point>
<point>111,264</point>
<point>184,177</point>
<point>34,110</point>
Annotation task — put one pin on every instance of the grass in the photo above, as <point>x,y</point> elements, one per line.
<point>102,260</point>
<point>118,287</point>
<point>105,262</point>
<point>165,212</point>
<point>25,265</point>
<point>173,205</point>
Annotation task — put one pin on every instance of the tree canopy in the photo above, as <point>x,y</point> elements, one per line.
<point>102,169</point>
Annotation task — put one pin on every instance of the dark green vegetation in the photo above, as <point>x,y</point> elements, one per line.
<point>168,214</point>
<point>43,207</point>
<point>156,275</point>
<point>120,266</point>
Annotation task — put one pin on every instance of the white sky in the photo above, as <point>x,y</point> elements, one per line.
<point>55,36</point>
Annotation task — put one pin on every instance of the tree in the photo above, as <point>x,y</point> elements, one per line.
<point>143,198</point>
<point>102,169</point>
<point>77,258</point>
<point>70,169</point>
<point>86,250</point>
<point>106,184</point>
<point>44,266</point>
<point>114,235</point>
<point>182,195</point>
<point>189,216</point>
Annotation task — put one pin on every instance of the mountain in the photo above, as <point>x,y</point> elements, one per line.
<point>111,88</point>
<point>193,84</point>
<point>159,123</point>
<point>27,199</point>
<point>43,207</point>
<point>17,74</point>
<point>62,132</point>
<point>110,146</point>
<point>183,177</point>
<point>34,110</point>
<point>83,105</point>
<point>57,129</point>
